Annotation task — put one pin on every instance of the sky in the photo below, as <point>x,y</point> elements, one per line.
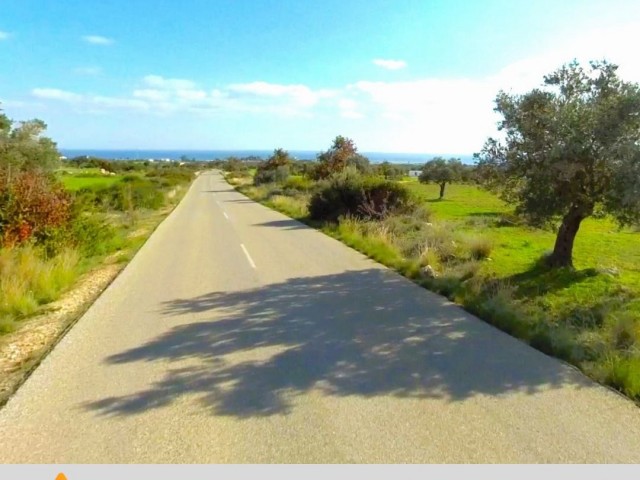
<point>395,76</point>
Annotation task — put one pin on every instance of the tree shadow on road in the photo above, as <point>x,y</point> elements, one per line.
<point>284,224</point>
<point>360,333</point>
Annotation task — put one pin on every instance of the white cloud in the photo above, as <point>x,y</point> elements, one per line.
<point>165,95</point>
<point>151,94</point>
<point>157,81</point>
<point>97,40</point>
<point>91,103</point>
<point>390,64</point>
<point>89,71</point>
<point>427,114</point>
<point>296,95</point>
<point>4,35</point>
<point>349,108</point>
<point>56,94</point>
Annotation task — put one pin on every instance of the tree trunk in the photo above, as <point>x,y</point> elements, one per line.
<point>442,185</point>
<point>562,255</point>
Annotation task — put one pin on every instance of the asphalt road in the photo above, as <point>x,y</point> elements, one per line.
<point>239,335</point>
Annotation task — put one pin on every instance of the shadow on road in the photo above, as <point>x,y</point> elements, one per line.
<point>284,225</point>
<point>361,333</point>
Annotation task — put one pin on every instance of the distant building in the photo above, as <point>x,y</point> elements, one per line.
<point>414,173</point>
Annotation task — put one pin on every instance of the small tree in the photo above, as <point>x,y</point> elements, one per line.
<point>25,148</point>
<point>572,149</point>
<point>441,172</point>
<point>342,153</point>
<point>275,169</point>
<point>390,172</point>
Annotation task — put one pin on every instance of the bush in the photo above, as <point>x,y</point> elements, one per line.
<point>264,176</point>
<point>31,204</point>
<point>135,192</point>
<point>93,235</point>
<point>300,184</point>
<point>271,175</point>
<point>349,193</point>
<point>480,247</point>
<point>170,177</point>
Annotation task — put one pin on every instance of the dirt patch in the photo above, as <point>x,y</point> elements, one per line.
<point>22,350</point>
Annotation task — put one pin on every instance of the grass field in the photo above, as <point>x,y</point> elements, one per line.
<point>76,178</point>
<point>589,316</point>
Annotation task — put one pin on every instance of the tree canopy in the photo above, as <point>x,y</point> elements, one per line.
<point>275,169</point>
<point>24,147</point>
<point>571,149</point>
<point>441,172</point>
<point>342,153</point>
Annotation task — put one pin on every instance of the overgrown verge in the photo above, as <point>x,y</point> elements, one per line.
<point>43,295</point>
<point>595,326</point>
<point>50,237</point>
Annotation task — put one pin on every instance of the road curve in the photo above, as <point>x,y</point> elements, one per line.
<point>238,335</point>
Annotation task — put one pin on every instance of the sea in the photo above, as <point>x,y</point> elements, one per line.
<point>204,155</point>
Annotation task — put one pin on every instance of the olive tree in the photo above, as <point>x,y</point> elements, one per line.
<point>571,149</point>
<point>23,147</point>
<point>441,172</point>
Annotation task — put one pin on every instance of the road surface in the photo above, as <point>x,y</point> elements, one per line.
<point>239,335</point>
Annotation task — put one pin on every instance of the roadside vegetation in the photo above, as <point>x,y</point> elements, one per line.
<point>59,219</point>
<point>502,238</point>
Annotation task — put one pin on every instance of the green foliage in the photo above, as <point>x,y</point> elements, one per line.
<point>25,148</point>
<point>390,171</point>
<point>342,154</point>
<point>78,182</point>
<point>170,177</point>
<point>298,183</point>
<point>275,169</point>
<point>349,193</point>
<point>278,175</point>
<point>30,279</point>
<point>480,247</point>
<point>623,373</point>
<point>441,172</point>
<point>572,149</point>
<point>234,164</point>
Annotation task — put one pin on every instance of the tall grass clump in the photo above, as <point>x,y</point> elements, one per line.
<point>29,279</point>
<point>293,206</point>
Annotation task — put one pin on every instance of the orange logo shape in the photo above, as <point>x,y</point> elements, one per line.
<point>61,476</point>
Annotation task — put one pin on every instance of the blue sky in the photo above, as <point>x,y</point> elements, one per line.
<point>396,76</point>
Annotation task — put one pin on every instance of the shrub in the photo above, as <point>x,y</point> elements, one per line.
<point>31,204</point>
<point>301,184</point>
<point>348,193</point>
<point>264,174</point>
<point>135,192</point>
<point>479,247</point>
<point>171,177</point>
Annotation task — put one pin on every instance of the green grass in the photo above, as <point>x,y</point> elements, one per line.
<point>489,262</point>
<point>76,182</point>
<point>29,280</point>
